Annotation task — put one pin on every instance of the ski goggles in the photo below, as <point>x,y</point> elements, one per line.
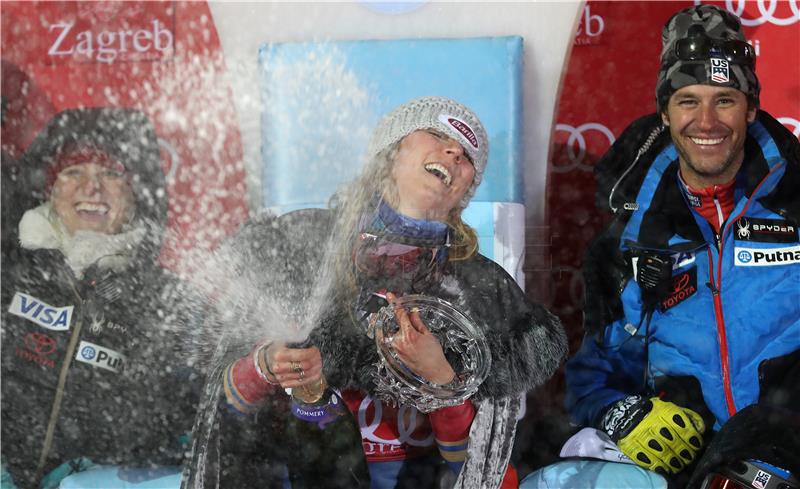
<point>751,474</point>
<point>703,48</point>
<point>376,257</point>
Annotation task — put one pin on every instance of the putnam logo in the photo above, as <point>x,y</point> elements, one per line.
<point>41,313</point>
<point>99,356</point>
<point>719,70</point>
<point>462,128</point>
<point>766,257</point>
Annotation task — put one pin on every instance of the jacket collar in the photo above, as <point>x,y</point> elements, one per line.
<point>664,220</point>
<point>40,228</point>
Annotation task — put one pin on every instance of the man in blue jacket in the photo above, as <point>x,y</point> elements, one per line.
<point>693,291</point>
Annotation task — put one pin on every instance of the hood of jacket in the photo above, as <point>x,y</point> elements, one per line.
<point>125,134</point>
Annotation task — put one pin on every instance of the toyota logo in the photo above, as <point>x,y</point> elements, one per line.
<point>40,343</point>
<point>680,283</point>
<point>767,12</point>
<point>576,145</point>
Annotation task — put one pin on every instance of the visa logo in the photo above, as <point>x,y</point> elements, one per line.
<point>100,356</point>
<point>41,313</point>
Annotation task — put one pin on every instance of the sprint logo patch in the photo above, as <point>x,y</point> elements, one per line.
<point>47,316</point>
<point>100,356</point>
<point>766,257</point>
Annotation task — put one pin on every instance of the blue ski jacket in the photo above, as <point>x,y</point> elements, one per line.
<point>725,334</point>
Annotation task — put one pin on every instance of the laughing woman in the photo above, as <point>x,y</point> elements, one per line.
<point>396,231</point>
<point>92,370</point>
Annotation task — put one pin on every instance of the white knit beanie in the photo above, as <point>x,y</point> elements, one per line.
<point>444,115</point>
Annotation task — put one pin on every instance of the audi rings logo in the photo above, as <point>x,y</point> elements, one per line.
<point>791,124</point>
<point>40,343</point>
<point>778,12</point>
<point>591,136</point>
<point>88,352</point>
<point>409,421</point>
<point>171,156</point>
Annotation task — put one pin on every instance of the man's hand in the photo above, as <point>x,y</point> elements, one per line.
<point>418,348</point>
<point>657,435</point>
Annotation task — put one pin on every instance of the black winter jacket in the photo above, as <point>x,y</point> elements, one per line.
<point>97,366</point>
<point>281,258</point>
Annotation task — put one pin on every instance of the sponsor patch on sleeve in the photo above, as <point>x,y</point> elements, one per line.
<point>684,285</point>
<point>47,316</point>
<point>766,257</point>
<point>765,230</point>
<point>100,356</point>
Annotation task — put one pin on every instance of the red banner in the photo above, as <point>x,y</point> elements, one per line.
<point>163,58</point>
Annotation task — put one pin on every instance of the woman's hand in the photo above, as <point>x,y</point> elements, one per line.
<point>291,367</point>
<point>418,348</point>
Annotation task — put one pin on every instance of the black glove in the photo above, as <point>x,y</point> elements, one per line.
<point>756,432</point>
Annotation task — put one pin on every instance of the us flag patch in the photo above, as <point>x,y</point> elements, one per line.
<point>761,480</point>
<point>719,70</point>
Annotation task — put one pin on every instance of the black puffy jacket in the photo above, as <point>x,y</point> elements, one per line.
<point>96,366</point>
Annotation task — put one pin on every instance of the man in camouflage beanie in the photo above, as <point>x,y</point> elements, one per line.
<point>692,352</point>
<point>704,45</point>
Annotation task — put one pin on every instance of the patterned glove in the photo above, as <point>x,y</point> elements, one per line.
<point>657,435</point>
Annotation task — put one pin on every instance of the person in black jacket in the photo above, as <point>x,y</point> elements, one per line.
<point>94,364</point>
<point>395,232</point>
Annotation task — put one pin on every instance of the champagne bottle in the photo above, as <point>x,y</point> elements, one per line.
<point>328,441</point>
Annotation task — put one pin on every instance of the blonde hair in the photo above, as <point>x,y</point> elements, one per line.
<point>359,198</point>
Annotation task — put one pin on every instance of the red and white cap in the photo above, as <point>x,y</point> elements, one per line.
<point>78,155</point>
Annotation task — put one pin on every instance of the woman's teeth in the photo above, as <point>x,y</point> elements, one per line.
<point>439,171</point>
<point>90,207</point>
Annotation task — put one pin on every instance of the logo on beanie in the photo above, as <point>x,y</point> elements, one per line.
<point>720,72</point>
<point>461,127</point>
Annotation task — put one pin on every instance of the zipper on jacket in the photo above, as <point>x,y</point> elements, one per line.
<point>720,320</point>
<point>59,397</point>
<point>720,218</point>
<point>716,292</point>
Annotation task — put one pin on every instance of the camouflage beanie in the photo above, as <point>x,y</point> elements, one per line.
<point>711,22</point>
